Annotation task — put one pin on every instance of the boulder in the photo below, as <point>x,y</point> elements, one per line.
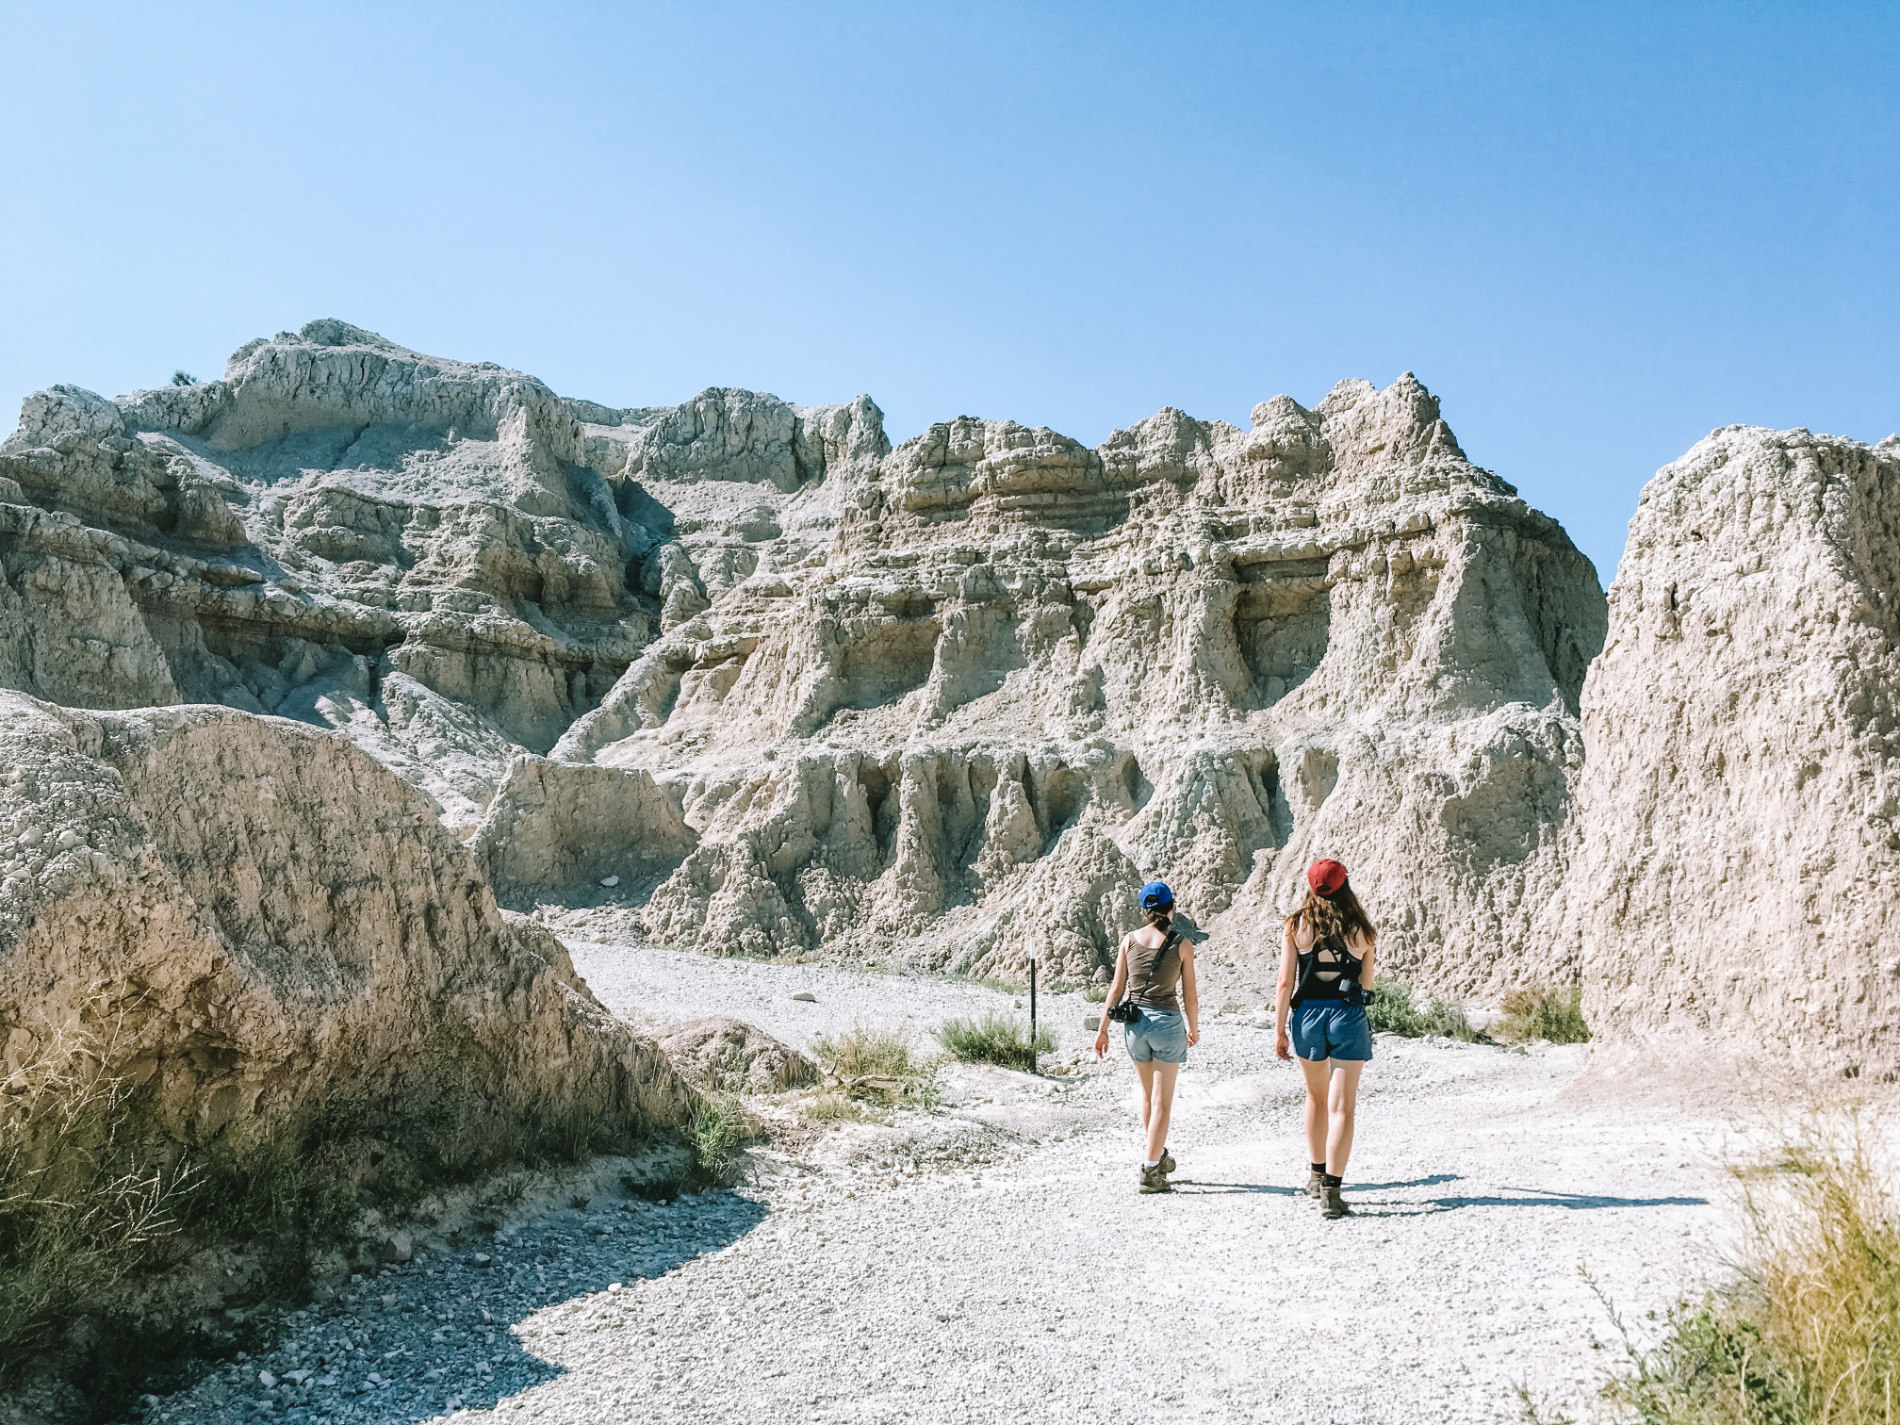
<point>719,1051</point>
<point>252,926</point>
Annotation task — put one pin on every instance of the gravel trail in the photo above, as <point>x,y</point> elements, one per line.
<point>991,1261</point>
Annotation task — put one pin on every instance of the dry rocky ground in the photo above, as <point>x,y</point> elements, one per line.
<point>990,1260</point>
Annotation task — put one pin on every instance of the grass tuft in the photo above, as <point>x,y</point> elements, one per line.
<point>717,1134</point>
<point>1543,1012</point>
<point>1808,1331</point>
<point>878,1067</point>
<point>1395,1010</point>
<point>994,1039</point>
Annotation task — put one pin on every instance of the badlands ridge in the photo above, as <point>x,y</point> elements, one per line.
<point>325,669</point>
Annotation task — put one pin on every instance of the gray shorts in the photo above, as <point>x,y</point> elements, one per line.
<point>1157,1036</point>
<point>1327,1029</point>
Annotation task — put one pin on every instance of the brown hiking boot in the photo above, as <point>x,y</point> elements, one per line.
<point>1331,1203</point>
<point>1155,1179</point>
<point>1167,1161</point>
<point>1315,1183</point>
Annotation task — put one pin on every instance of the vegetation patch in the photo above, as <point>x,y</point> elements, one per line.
<point>717,1134</point>
<point>1543,1012</point>
<point>877,1067</point>
<point>1396,1010</point>
<point>1808,1331</point>
<point>994,1039</point>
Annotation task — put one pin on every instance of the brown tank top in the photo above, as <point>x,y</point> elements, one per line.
<point>1150,985</point>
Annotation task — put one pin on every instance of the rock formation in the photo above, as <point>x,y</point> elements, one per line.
<point>1737,864</point>
<point>720,1052</point>
<point>798,690</point>
<point>252,924</point>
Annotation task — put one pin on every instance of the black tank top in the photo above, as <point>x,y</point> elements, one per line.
<point>1320,972</point>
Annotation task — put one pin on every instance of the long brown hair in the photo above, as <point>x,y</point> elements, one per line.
<point>1333,919</point>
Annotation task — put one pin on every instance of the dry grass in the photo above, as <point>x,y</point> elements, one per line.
<point>1808,1332</point>
<point>1543,1012</point>
<point>994,1039</point>
<point>78,1212</point>
<point>876,1067</point>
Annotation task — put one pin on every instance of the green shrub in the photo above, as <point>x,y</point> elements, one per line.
<point>717,1134</point>
<point>1808,1330</point>
<point>1095,994</point>
<point>994,1039</point>
<point>1394,1010</point>
<point>1543,1013</point>
<point>183,378</point>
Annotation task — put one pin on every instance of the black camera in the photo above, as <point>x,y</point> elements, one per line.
<point>1352,992</point>
<point>1123,1011</point>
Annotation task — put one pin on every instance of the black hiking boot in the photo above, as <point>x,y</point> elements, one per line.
<point>1331,1203</point>
<point>1315,1183</point>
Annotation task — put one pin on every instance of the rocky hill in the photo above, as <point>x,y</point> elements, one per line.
<point>1737,862</point>
<point>796,689</point>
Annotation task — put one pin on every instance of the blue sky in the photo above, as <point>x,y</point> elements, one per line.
<point>1596,232</point>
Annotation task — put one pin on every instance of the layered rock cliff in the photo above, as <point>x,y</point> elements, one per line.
<point>799,690</point>
<point>1737,864</point>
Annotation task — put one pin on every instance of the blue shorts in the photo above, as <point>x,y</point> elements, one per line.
<point>1327,1029</point>
<point>1157,1035</point>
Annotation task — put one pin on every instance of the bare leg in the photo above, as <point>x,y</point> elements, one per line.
<point>1146,1073</point>
<point>1342,1099</point>
<point>1164,1077</point>
<point>1316,1072</point>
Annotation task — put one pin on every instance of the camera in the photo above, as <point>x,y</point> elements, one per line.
<point>1352,992</point>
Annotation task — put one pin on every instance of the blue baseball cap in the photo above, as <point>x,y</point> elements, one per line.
<point>1156,896</point>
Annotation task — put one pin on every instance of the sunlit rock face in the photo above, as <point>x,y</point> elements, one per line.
<point>1737,865</point>
<point>946,704</point>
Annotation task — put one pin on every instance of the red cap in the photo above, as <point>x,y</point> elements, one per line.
<point>1326,877</point>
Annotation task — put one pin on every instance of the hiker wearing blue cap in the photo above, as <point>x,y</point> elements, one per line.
<point>1149,966</point>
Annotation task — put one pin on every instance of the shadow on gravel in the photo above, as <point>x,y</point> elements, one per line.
<point>1532,1197</point>
<point>421,1328</point>
<point>1198,1189</point>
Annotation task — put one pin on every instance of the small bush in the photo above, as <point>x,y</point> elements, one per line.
<point>1808,1332</point>
<point>183,378</point>
<point>1543,1013</point>
<point>994,1039</point>
<point>717,1135</point>
<point>1095,994</point>
<point>1394,1010</point>
<point>877,1066</point>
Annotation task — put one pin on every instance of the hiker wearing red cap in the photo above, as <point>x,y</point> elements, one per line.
<point>1325,986</point>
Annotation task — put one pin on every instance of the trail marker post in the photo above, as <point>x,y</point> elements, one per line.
<point>1032,1009</point>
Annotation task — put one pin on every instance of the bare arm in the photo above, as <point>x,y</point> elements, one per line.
<point>1190,994</point>
<point>1283,992</point>
<point>1365,964</point>
<point>1114,997</point>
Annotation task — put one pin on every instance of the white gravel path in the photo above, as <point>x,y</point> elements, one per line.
<point>992,1261</point>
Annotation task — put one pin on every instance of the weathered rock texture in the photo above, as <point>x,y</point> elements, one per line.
<point>1737,863</point>
<point>799,690</point>
<point>720,1052</point>
<point>255,924</point>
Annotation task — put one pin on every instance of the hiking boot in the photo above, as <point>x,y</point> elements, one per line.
<point>1315,1183</point>
<point>1155,1179</point>
<point>1167,1161</point>
<point>1331,1203</point>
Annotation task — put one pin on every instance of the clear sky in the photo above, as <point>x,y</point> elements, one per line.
<point>1596,231</point>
